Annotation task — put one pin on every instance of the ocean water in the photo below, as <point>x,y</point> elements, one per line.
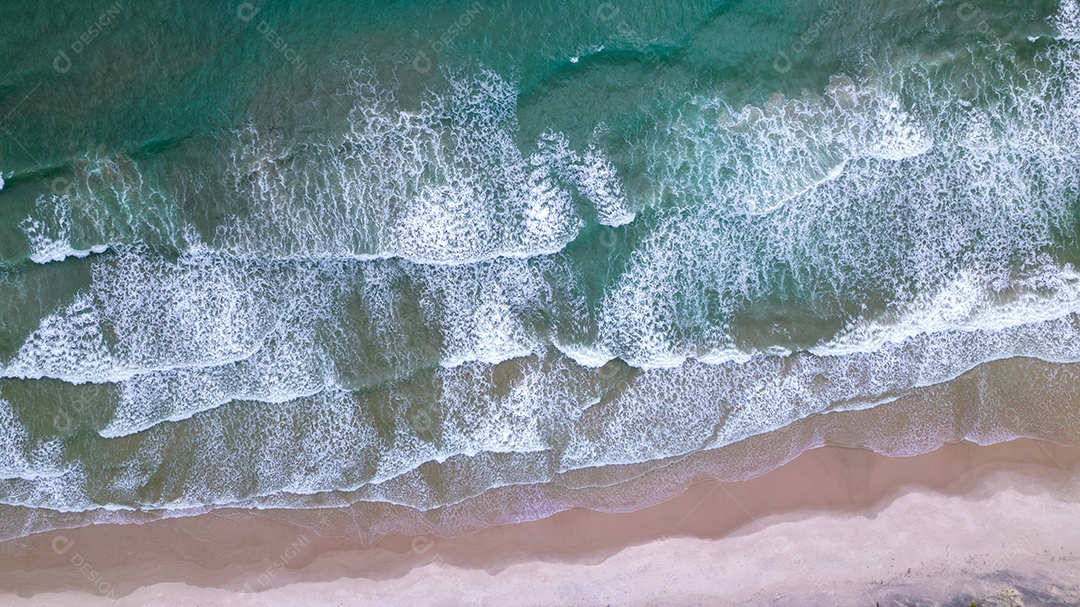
<point>473,262</point>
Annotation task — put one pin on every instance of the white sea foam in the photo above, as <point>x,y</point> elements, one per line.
<point>67,345</point>
<point>287,368</point>
<point>472,418</point>
<point>658,414</point>
<point>483,311</point>
<point>954,237</point>
<point>696,406</point>
<point>968,303</point>
<point>104,201</point>
<point>600,183</point>
<point>545,407</point>
<point>186,336</point>
<point>13,440</point>
<point>586,355</point>
<point>443,185</point>
<point>1067,20</point>
<point>446,184</point>
<point>159,315</point>
<point>31,470</point>
<point>754,160</point>
<point>51,235</point>
<point>988,195</point>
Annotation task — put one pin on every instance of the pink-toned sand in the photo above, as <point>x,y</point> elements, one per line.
<point>836,526</point>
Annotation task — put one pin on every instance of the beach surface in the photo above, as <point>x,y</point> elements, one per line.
<point>836,526</point>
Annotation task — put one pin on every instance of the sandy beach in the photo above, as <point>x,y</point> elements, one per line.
<point>836,526</point>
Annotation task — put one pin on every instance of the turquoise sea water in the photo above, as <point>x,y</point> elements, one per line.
<point>308,254</point>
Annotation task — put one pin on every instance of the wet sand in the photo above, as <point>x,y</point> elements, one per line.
<point>834,526</point>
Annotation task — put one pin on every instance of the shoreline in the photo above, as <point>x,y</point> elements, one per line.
<point>1024,493</point>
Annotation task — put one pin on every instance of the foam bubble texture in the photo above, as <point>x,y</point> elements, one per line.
<point>328,371</point>
<point>446,184</point>
<point>104,200</point>
<point>1067,20</point>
